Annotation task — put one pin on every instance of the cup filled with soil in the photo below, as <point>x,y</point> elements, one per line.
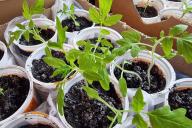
<point>33,120</point>
<point>161,78</point>
<point>180,96</point>
<point>149,10</point>
<point>91,35</point>
<point>82,19</point>
<point>80,111</point>
<point>16,93</point>
<point>46,30</point>
<point>41,72</point>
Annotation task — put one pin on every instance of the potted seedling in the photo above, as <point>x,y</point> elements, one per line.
<point>46,76</point>
<point>180,96</point>
<point>100,36</point>
<point>147,69</point>
<point>149,10</point>
<point>74,19</point>
<point>17,94</point>
<point>30,34</point>
<point>33,120</point>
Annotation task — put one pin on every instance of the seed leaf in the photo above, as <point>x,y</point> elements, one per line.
<point>93,94</point>
<point>138,101</point>
<point>123,86</point>
<point>165,118</point>
<point>139,122</point>
<point>54,62</point>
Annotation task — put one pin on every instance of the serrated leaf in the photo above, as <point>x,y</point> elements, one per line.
<point>54,62</point>
<point>138,101</point>
<point>105,7</point>
<point>139,122</point>
<point>133,36</point>
<point>37,7</point>
<point>165,118</point>
<point>112,20</point>
<point>105,81</point>
<point>94,15</point>
<point>93,94</point>
<point>178,29</point>
<point>26,10</point>
<point>60,100</point>
<point>123,86</point>
<point>167,45</point>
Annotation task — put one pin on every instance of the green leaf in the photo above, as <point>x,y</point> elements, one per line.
<point>104,32</point>
<point>54,45</point>
<point>26,35</point>
<point>60,100</point>
<point>106,43</point>
<point>133,36</point>
<point>105,7</point>
<point>20,26</point>
<point>54,62</point>
<point>48,52</point>
<point>105,81</point>
<point>37,7</point>
<point>178,29</point>
<point>112,20</point>
<point>139,122</point>
<point>91,76</point>
<point>93,94</point>
<point>15,36</point>
<point>94,15</point>
<point>64,71</point>
<point>135,50</point>
<point>123,86</point>
<point>167,45</point>
<point>31,24</point>
<point>61,33</point>
<point>138,101</point>
<point>165,118</point>
<point>26,10</point>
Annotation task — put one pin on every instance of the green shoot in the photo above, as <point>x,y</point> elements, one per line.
<point>69,12</point>
<point>1,91</point>
<point>102,16</point>
<point>187,8</point>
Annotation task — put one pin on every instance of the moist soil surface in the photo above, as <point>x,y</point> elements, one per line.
<point>36,126</point>
<point>15,91</point>
<point>46,34</point>
<point>158,81</point>
<point>98,50</point>
<point>92,2</point>
<point>148,12</point>
<point>43,72</point>
<point>1,54</point>
<point>83,23</point>
<point>181,99</point>
<point>82,112</point>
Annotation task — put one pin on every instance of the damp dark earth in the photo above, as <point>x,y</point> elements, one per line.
<point>43,72</point>
<point>147,12</point>
<point>111,46</point>
<point>46,34</point>
<point>1,54</point>
<point>83,23</point>
<point>36,126</point>
<point>181,98</point>
<point>157,79</point>
<point>15,91</point>
<point>82,112</point>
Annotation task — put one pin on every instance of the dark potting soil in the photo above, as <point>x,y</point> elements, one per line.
<point>164,18</point>
<point>84,23</point>
<point>15,91</point>
<point>36,126</point>
<point>46,34</point>
<point>158,81</point>
<point>148,12</point>
<point>181,99</point>
<point>82,112</point>
<point>98,50</point>
<point>1,54</point>
<point>43,72</point>
<point>92,2</point>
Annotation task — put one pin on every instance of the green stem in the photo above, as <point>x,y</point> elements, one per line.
<point>114,119</point>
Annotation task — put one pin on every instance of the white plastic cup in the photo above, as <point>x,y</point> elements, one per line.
<point>181,83</point>
<point>157,4</point>
<point>31,101</point>
<point>168,12</point>
<point>158,98</point>
<point>42,87</point>
<point>69,84</point>
<point>33,118</point>
<point>7,58</point>
<point>93,32</point>
<point>78,12</point>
